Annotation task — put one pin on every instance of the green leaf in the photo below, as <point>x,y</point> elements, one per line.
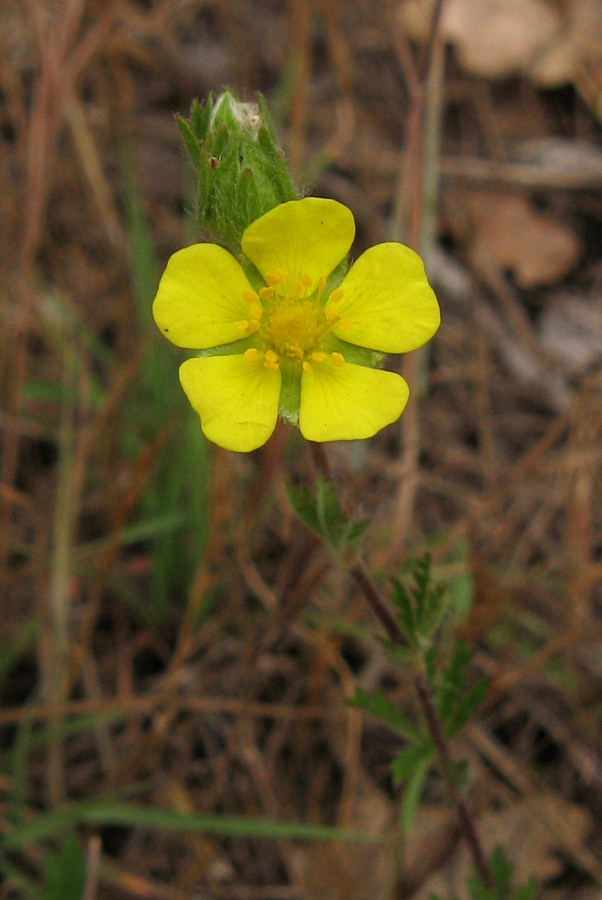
<point>528,891</point>
<point>410,760</point>
<point>413,793</point>
<point>104,812</point>
<point>466,706</point>
<point>322,513</point>
<point>421,605</point>
<point>405,608</point>
<point>386,710</point>
<point>65,871</point>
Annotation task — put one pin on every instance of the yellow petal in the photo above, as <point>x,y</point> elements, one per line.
<point>387,303</point>
<point>236,399</point>
<point>303,237</point>
<point>350,402</point>
<point>200,298</point>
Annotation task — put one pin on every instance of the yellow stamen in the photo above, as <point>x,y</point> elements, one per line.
<point>271,356</point>
<point>306,279</point>
<point>321,284</point>
<point>296,351</point>
<point>256,311</point>
<point>250,296</point>
<point>318,356</point>
<point>266,293</point>
<point>299,288</point>
<point>251,354</point>
<point>331,317</point>
<point>242,325</point>
<point>344,324</point>
<point>337,359</point>
<point>336,295</point>
<point>307,368</point>
<point>252,327</point>
<point>272,278</point>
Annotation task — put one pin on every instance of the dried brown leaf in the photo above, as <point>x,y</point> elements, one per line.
<point>534,246</point>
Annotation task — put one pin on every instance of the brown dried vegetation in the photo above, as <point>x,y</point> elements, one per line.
<point>224,689</point>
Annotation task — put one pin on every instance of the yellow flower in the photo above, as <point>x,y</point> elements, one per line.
<point>286,335</point>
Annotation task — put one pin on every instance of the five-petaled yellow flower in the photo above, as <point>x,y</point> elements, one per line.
<point>284,335</point>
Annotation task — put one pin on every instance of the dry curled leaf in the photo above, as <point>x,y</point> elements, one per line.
<point>533,246</point>
<point>496,39</point>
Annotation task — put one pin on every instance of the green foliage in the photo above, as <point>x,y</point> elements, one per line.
<point>385,709</point>
<point>454,699</point>
<point>48,824</point>
<point>420,607</point>
<point>501,871</point>
<point>64,871</point>
<point>322,512</point>
<point>156,417</point>
<point>241,170</point>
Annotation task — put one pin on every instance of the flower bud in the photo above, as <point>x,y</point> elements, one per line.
<point>241,169</point>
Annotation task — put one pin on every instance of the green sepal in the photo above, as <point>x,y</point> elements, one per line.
<point>200,114</point>
<point>242,170</point>
<point>191,141</point>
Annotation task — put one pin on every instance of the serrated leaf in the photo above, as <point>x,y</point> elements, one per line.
<point>386,710</point>
<point>467,705</point>
<point>405,609</point>
<point>448,692</point>
<point>304,504</point>
<point>321,511</point>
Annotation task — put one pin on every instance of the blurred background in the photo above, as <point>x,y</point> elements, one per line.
<point>171,636</point>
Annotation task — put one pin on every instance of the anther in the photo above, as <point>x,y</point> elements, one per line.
<point>344,324</point>
<point>251,354</point>
<point>250,296</point>
<point>337,359</point>
<point>242,325</point>
<point>321,284</point>
<point>336,295</point>
<point>256,311</point>
<point>272,278</point>
<point>305,280</point>
<point>299,288</point>
<point>266,293</point>
<point>318,356</point>
<point>307,368</point>
<point>271,360</point>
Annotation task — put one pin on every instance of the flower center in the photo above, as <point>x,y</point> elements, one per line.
<point>292,321</point>
<point>293,327</point>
